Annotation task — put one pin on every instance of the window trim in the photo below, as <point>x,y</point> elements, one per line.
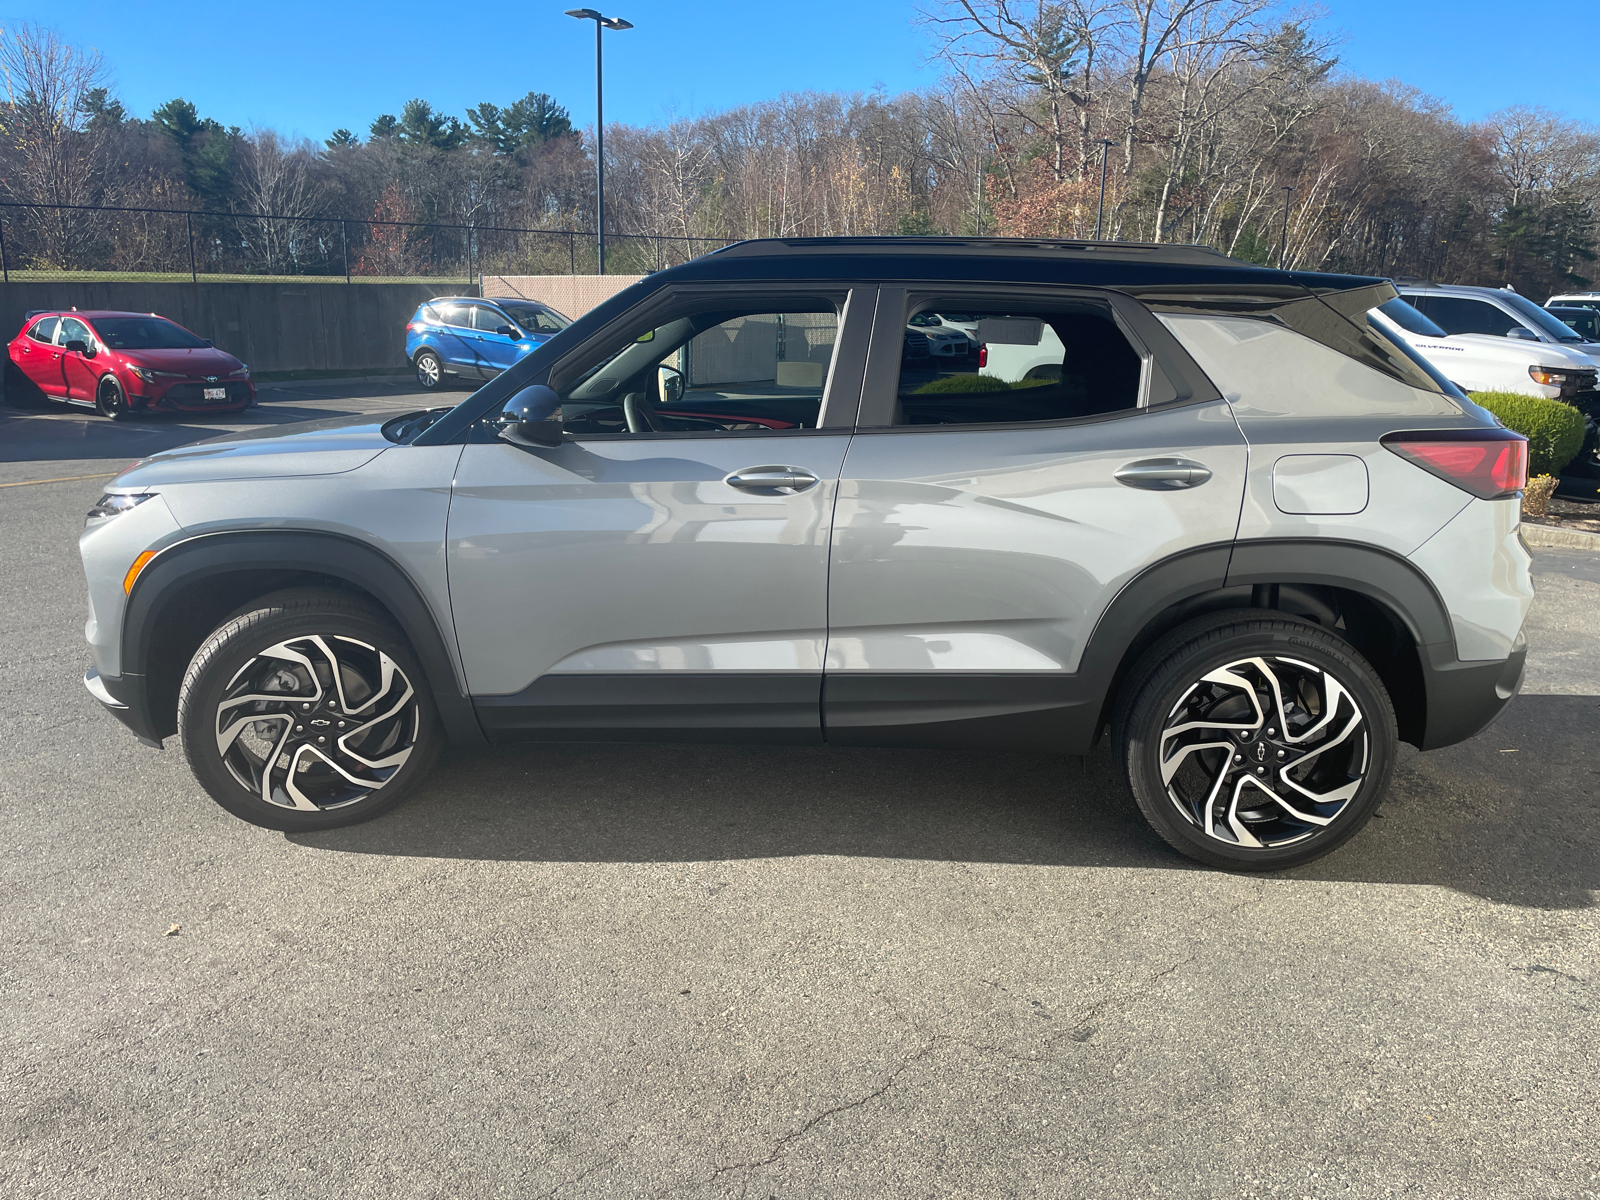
<point>1168,377</point>
<point>841,385</point>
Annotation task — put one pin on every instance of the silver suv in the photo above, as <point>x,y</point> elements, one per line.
<point>1230,521</point>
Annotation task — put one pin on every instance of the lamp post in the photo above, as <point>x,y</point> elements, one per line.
<point>1283,246</point>
<point>600,24</point>
<point>1105,153</point>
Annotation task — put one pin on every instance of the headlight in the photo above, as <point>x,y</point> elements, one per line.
<point>1549,376</point>
<point>242,373</point>
<point>150,376</point>
<point>115,504</point>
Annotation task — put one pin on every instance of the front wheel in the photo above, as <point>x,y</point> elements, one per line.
<point>111,401</point>
<point>307,712</point>
<point>1256,742</point>
<point>430,371</point>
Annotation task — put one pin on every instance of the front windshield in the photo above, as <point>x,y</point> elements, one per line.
<point>535,318</point>
<point>1539,319</point>
<point>1410,318</point>
<point>145,333</point>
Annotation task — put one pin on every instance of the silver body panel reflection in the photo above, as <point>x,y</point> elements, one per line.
<point>995,550</point>
<point>633,555</point>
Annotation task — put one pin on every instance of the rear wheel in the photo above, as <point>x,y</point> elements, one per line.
<point>307,712</point>
<point>430,371</point>
<point>1256,742</point>
<point>111,401</point>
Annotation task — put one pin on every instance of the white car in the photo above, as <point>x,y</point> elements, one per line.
<point>1482,362</point>
<point>1498,314</point>
<point>927,333</point>
<point>1575,300</point>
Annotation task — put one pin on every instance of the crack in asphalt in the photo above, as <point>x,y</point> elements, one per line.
<point>793,1135</point>
<point>782,1145</point>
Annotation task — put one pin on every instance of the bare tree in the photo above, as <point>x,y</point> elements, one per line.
<point>55,145</point>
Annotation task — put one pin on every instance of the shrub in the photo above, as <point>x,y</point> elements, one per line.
<point>968,384</point>
<point>946,384</point>
<point>1554,429</point>
<point>1536,496</point>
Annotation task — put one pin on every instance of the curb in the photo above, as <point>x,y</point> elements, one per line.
<point>1567,539</point>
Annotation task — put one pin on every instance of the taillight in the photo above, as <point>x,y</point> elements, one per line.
<point>414,326</point>
<point>1488,463</point>
<point>983,354</point>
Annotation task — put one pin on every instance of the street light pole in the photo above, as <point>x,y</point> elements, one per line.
<point>1283,247</point>
<point>1099,216</point>
<point>600,24</point>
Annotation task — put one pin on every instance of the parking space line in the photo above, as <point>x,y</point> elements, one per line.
<point>60,479</point>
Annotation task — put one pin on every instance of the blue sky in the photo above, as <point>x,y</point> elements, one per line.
<point>309,68</point>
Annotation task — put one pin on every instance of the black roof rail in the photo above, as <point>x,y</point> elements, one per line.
<point>1169,252</point>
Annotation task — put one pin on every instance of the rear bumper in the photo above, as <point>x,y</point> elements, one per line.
<point>1464,698</point>
<point>124,698</point>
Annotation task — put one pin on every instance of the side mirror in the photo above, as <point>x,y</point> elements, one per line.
<point>1521,334</point>
<point>208,341</point>
<point>670,384</point>
<point>525,419</point>
<point>506,331</point>
<point>78,345</point>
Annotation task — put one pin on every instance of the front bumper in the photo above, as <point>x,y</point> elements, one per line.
<point>188,396</point>
<point>124,698</point>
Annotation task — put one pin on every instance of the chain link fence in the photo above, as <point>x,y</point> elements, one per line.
<point>86,243</point>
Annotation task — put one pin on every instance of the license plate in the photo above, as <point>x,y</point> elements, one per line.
<point>216,393</point>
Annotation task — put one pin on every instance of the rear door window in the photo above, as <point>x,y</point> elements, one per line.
<point>44,330</point>
<point>1018,366</point>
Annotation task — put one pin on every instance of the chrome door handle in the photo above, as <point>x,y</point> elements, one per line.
<point>763,479</point>
<point>1163,474</point>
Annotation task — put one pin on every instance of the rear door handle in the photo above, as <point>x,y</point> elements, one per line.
<point>1163,474</point>
<point>765,479</point>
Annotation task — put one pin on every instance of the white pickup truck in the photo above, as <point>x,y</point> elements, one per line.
<point>1482,362</point>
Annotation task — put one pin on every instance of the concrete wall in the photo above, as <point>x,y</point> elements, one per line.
<point>273,326</point>
<point>569,295</point>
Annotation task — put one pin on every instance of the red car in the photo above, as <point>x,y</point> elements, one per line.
<point>122,363</point>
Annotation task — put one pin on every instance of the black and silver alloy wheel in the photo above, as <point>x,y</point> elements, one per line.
<point>110,400</point>
<point>1264,752</point>
<point>306,712</point>
<point>1256,741</point>
<point>316,723</point>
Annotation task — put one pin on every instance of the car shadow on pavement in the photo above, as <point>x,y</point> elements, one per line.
<point>1521,827</point>
<point>63,434</point>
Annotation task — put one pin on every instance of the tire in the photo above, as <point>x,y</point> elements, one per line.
<point>22,392</point>
<point>1229,781</point>
<point>110,400</point>
<point>430,371</point>
<point>280,771</point>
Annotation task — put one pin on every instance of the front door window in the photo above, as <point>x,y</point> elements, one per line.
<point>710,374</point>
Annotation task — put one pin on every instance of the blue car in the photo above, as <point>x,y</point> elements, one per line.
<point>456,338</point>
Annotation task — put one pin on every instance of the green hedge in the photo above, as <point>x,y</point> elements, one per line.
<point>1554,429</point>
<point>971,384</point>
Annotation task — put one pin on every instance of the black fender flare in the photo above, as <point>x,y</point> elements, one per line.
<point>1452,711</point>
<point>184,564</point>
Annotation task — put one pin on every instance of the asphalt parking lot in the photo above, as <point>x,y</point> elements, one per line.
<point>602,971</point>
